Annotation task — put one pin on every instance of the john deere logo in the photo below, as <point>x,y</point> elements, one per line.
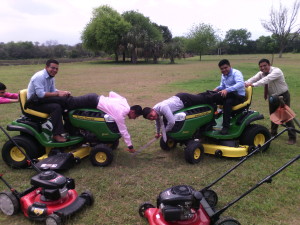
<point>88,118</point>
<point>198,115</point>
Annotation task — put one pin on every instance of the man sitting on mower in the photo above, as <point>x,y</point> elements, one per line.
<point>42,87</point>
<point>232,90</point>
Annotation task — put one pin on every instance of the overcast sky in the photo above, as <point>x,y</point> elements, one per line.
<point>64,20</point>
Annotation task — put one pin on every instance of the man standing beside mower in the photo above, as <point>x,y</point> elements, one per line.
<point>232,91</point>
<point>42,87</point>
<point>272,79</point>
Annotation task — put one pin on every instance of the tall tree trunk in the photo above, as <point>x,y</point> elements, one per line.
<point>134,56</point>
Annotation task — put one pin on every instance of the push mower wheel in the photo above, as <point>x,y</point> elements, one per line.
<point>101,155</point>
<point>9,204</point>
<point>143,207</point>
<point>88,197</point>
<point>53,219</point>
<point>255,135</point>
<point>167,146</point>
<point>193,152</point>
<point>12,156</point>
<point>211,197</point>
<point>227,221</point>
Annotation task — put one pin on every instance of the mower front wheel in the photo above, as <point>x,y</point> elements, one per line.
<point>227,221</point>
<point>12,156</point>
<point>101,155</point>
<point>53,219</point>
<point>211,197</point>
<point>167,146</point>
<point>194,152</point>
<point>88,196</point>
<point>143,207</point>
<point>255,135</point>
<point>9,204</point>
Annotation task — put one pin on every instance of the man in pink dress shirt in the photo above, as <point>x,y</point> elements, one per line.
<point>6,97</point>
<point>117,107</point>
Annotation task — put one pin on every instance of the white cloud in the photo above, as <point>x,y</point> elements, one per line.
<point>64,20</point>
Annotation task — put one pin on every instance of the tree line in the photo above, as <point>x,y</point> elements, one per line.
<point>131,36</point>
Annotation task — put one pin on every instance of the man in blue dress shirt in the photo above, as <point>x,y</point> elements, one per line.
<point>232,91</point>
<point>42,88</point>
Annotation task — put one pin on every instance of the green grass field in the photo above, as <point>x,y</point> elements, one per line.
<point>120,188</point>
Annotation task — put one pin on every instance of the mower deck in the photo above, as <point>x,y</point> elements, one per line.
<point>226,151</point>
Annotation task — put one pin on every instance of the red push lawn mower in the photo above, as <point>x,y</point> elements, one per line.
<point>183,205</point>
<point>51,198</point>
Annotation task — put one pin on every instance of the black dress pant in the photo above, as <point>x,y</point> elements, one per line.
<point>55,110</point>
<point>55,106</point>
<point>231,99</point>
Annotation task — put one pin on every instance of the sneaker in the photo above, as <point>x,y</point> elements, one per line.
<point>224,131</point>
<point>291,141</point>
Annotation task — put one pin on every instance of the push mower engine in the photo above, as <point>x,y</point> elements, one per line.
<point>52,198</point>
<point>179,203</point>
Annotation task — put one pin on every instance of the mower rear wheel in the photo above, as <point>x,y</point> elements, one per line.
<point>9,204</point>
<point>167,146</point>
<point>227,221</point>
<point>255,135</point>
<point>143,207</point>
<point>88,197</point>
<point>211,197</point>
<point>193,152</point>
<point>101,155</point>
<point>53,219</point>
<point>12,156</point>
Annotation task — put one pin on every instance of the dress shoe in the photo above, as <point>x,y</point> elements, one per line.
<point>291,141</point>
<point>224,131</point>
<point>59,138</point>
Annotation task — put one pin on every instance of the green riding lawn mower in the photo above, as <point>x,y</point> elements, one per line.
<point>198,128</point>
<point>92,133</point>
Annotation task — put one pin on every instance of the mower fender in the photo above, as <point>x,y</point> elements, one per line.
<point>19,128</point>
<point>258,117</point>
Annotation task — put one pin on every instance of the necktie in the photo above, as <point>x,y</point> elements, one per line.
<point>163,129</point>
<point>266,91</point>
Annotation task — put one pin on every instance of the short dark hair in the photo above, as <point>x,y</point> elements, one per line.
<point>2,86</point>
<point>264,60</point>
<point>223,62</point>
<point>137,109</point>
<point>49,61</point>
<point>146,112</point>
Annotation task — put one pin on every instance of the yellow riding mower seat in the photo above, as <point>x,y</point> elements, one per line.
<point>244,105</point>
<point>30,112</point>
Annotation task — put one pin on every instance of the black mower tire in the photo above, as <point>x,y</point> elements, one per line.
<point>211,197</point>
<point>254,135</point>
<point>193,152</point>
<point>88,196</point>
<point>101,155</point>
<point>143,207</point>
<point>53,219</point>
<point>115,144</point>
<point>9,203</point>
<point>167,146</point>
<point>12,156</point>
<point>227,221</point>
